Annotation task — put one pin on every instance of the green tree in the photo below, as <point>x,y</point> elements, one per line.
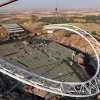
<point>93,33</point>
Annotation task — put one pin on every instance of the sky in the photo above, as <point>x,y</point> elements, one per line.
<point>51,4</point>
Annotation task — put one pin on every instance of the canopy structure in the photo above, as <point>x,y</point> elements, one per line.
<point>6,2</point>
<point>73,89</point>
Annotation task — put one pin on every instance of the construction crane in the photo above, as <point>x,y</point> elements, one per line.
<point>8,2</point>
